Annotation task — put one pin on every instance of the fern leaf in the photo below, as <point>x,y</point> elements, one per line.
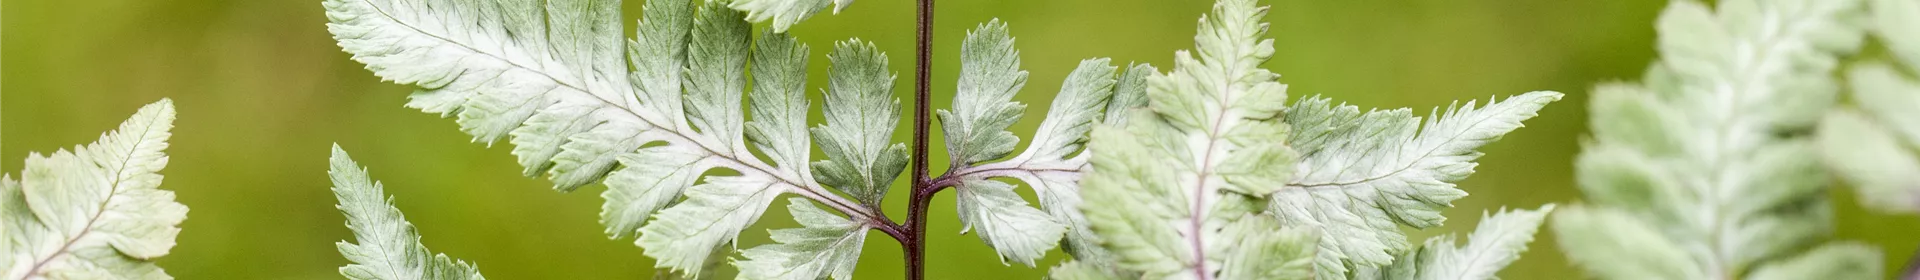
<point>1694,161</point>
<point>682,237</point>
<point>1005,221</point>
<point>1047,167</point>
<point>1874,145</point>
<point>786,13</point>
<point>1612,244</point>
<point>1497,242</point>
<point>1361,176</point>
<point>550,75</point>
<point>827,246</point>
<point>976,127</point>
<point>1837,260</point>
<point>861,114</point>
<point>389,247</point>
<point>779,126</point>
<point>976,130</point>
<point>95,212</point>
<point>1171,194</point>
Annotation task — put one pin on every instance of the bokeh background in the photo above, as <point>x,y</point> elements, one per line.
<point>262,91</point>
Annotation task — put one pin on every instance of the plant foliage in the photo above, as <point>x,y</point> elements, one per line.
<point>976,130</point>
<point>1219,178</point>
<point>95,212</point>
<point>1704,170</point>
<point>1875,145</point>
<point>389,246</point>
<point>652,117</point>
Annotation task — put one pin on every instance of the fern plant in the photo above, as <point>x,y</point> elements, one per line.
<point>649,118</point>
<point>557,88</point>
<point>1706,169</point>
<point>1219,178</point>
<point>95,212</point>
<point>1875,145</point>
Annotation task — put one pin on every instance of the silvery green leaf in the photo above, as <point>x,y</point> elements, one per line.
<point>1129,93</point>
<point>1495,243</point>
<point>779,126</point>
<point>827,246</point>
<point>1695,161</point>
<point>95,212</point>
<point>1837,260</point>
<point>1897,24</point>
<point>551,75</point>
<point>1611,244</point>
<point>1005,222</point>
<point>1047,167</point>
<point>717,75</point>
<point>542,89</point>
<point>389,247</point>
<point>861,114</point>
<point>1171,193</point>
<point>648,180</point>
<point>1873,146</point>
<point>1884,171</point>
<point>683,236</point>
<point>1362,175</point>
<point>785,13</point>
<point>983,108</point>
<point>1082,101</point>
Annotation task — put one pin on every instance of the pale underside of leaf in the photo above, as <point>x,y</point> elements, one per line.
<point>96,211</point>
<point>861,115</point>
<point>827,246</point>
<point>1047,168</point>
<point>1495,243</point>
<point>983,106</point>
<point>552,77</point>
<point>1005,222</point>
<point>1361,176</point>
<point>1695,158</point>
<point>388,246</point>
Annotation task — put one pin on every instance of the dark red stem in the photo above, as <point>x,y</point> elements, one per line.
<point>915,243</point>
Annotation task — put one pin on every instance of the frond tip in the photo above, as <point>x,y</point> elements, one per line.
<point>96,212</point>
<point>1497,242</point>
<point>389,247</point>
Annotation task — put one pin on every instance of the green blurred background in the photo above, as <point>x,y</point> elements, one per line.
<point>262,91</point>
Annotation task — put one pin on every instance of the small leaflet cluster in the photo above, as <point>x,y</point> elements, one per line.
<point>95,212</point>
<point>1875,145</point>
<point>1705,169</point>
<point>1218,178</point>
<point>976,130</point>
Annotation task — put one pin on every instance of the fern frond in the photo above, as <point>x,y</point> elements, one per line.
<point>1174,193</point>
<point>95,212</point>
<point>1361,176</point>
<point>976,129</point>
<point>389,247</point>
<point>1326,186</point>
<point>861,113</point>
<point>549,76</point>
<point>1695,174</point>
<point>1875,145</point>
